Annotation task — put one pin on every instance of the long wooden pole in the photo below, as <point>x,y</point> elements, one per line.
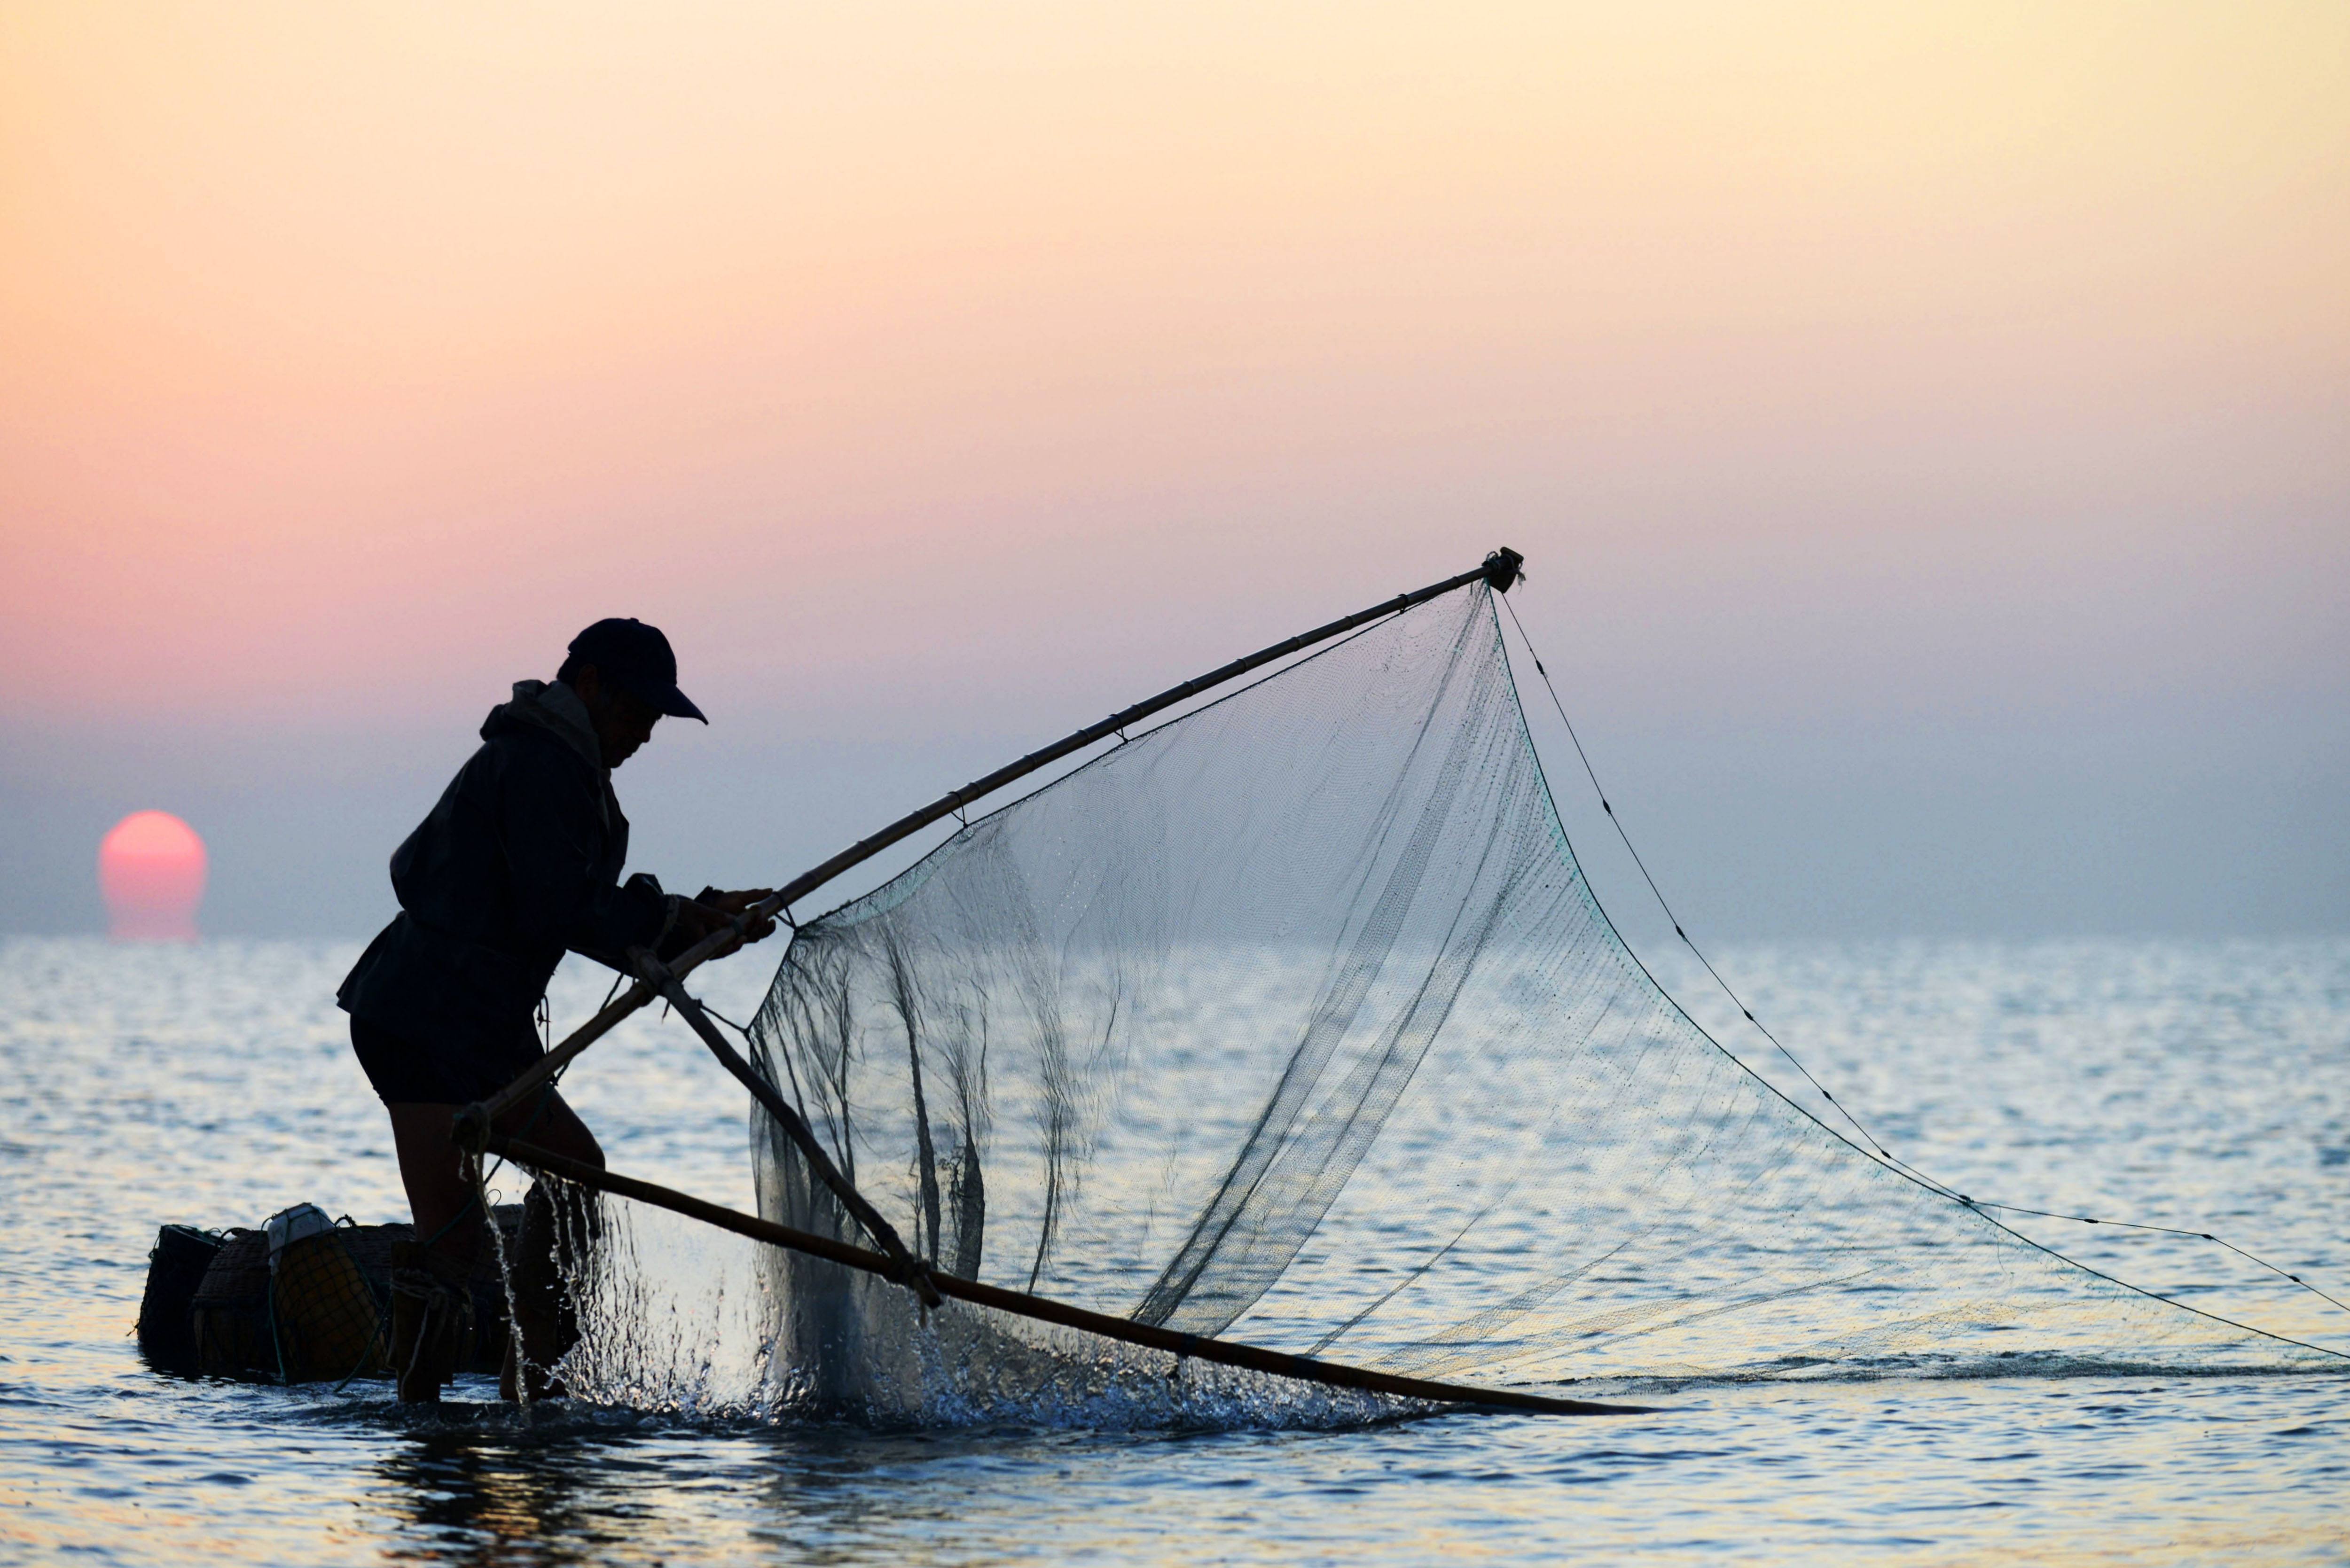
<point>1500,572</point>
<point>1225,1352</point>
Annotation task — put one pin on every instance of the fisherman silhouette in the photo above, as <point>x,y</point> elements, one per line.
<point>518,863</point>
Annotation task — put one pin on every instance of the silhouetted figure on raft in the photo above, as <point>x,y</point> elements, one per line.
<point>519,862</point>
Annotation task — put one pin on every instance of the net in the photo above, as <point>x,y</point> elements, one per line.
<point>1294,1019</point>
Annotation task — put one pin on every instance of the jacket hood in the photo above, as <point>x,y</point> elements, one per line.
<point>551,706</point>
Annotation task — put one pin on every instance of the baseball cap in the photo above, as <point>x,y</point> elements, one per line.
<point>635,658</point>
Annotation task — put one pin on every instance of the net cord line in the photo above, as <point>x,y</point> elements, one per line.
<point>1870,1150</point>
<point>1190,1346</point>
<point>472,1127</point>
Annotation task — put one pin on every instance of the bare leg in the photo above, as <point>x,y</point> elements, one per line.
<point>450,1230</point>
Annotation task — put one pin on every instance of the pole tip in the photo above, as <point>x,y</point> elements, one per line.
<point>1504,569</point>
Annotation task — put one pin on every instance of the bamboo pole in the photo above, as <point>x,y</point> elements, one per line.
<point>1224,1353</point>
<point>1499,571</point>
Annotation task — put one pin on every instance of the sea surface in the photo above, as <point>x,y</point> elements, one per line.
<point>2199,1085</point>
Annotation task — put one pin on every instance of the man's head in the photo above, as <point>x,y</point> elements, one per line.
<point>625,674</point>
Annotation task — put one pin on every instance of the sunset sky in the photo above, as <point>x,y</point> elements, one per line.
<point>1927,425</point>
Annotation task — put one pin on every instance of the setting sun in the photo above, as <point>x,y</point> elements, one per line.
<point>150,868</point>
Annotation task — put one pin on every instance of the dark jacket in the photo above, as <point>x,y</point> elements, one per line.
<point>519,861</point>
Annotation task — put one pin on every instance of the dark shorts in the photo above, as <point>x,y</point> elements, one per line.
<point>407,1074</point>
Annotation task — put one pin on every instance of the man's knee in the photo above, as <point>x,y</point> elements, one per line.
<point>574,1141</point>
<point>557,1127</point>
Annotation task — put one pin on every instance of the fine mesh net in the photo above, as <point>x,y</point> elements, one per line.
<point>1295,1021</point>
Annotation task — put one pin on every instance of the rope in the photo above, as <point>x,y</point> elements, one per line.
<point>373,1340</point>
<point>269,1299</point>
<point>1748,1014</point>
<point>2168,1231</point>
<point>721,1018</point>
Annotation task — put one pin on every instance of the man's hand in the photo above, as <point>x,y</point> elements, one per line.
<point>708,911</point>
